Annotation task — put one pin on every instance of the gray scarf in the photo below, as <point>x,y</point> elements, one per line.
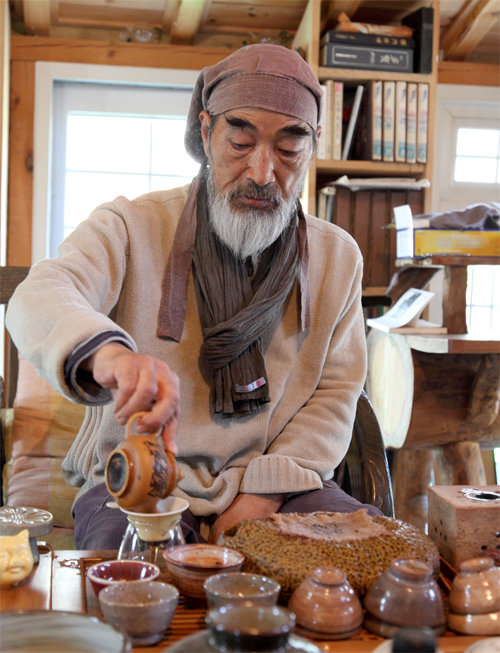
<point>235,312</point>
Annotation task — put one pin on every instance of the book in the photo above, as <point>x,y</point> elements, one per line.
<point>422,120</point>
<point>353,117</point>
<point>411,122</point>
<point>336,111</point>
<point>324,135</point>
<point>388,109</point>
<point>404,316</point>
<point>361,38</point>
<point>366,57</point>
<point>367,141</point>
<point>422,23</point>
<point>400,123</point>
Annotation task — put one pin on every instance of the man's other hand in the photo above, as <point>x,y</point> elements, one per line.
<point>139,382</point>
<point>246,506</point>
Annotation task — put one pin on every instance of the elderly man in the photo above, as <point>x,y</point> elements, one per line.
<point>223,298</point>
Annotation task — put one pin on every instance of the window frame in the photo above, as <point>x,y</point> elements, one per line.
<point>46,74</point>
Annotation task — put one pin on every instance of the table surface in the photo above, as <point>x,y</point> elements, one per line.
<point>58,582</point>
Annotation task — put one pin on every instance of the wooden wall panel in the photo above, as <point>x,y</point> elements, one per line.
<point>20,193</point>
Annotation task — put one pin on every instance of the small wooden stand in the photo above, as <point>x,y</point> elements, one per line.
<point>437,397</point>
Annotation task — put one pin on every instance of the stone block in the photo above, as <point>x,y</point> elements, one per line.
<point>464,521</point>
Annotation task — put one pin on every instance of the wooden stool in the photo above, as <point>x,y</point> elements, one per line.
<point>437,401</point>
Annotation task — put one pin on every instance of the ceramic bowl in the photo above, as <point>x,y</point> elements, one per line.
<point>112,572</point>
<point>326,606</point>
<point>405,595</point>
<point>239,586</point>
<point>143,610</point>
<point>189,565</point>
<point>248,626</point>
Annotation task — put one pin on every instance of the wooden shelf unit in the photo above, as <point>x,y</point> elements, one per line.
<point>307,41</point>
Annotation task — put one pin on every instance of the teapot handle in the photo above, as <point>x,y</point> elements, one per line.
<point>133,419</point>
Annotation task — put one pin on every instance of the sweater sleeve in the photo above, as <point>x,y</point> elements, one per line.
<point>67,301</point>
<point>313,443</point>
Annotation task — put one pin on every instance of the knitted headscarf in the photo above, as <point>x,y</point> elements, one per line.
<point>259,76</point>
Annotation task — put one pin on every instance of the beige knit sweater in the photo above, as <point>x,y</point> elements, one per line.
<point>108,276</point>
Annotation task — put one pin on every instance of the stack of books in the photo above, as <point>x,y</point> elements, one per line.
<point>367,51</point>
<point>375,121</point>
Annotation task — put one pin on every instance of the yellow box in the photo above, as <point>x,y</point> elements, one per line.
<point>454,241</point>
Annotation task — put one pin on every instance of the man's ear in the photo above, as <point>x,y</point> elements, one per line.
<point>205,121</point>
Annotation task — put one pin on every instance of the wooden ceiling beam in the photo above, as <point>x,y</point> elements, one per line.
<point>468,28</point>
<point>187,21</point>
<point>37,17</point>
<point>169,13</point>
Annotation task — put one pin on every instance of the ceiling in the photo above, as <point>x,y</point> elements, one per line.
<point>470,29</point>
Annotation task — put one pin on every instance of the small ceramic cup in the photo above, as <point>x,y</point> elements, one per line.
<point>143,610</point>
<point>239,586</point>
<point>248,626</point>
<point>326,606</point>
<point>405,595</point>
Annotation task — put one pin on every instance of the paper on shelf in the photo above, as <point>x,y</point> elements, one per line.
<point>405,312</point>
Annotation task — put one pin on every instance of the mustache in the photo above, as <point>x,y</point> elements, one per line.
<point>254,191</point>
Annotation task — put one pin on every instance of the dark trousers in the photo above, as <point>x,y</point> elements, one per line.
<point>100,527</point>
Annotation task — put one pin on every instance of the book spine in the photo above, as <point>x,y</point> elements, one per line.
<point>337,120</point>
<point>330,89</point>
<point>411,123</point>
<point>389,105</point>
<point>367,57</point>
<point>400,123</point>
<point>376,89</point>
<point>360,38</point>
<point>353,118</point>
<point>422,121</point>
<point>324,135</point>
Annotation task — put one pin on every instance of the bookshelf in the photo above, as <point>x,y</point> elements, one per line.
<point>324,171</point>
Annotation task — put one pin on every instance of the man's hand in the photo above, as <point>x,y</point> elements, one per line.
<point>246,506</point>
<point>139,383</point>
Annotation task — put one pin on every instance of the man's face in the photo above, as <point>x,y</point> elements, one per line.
<point>258,160</point>
<point>247,145</point>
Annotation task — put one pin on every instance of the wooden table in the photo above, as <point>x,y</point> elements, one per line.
<point>59,582</point>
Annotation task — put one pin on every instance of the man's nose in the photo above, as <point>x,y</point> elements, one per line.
<point>261,166</point>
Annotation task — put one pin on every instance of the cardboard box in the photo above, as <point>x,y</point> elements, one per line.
<point>464,521</point>
<point>413,241</point>
<point>473,243</point>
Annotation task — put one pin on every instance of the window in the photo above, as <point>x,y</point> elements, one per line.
<point>103,131</point>
<point>477,156</point>
<point>467,171</point>
<point>114,140</point>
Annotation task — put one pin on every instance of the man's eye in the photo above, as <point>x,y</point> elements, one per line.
<point>240,147</point>
<point>289,153</point>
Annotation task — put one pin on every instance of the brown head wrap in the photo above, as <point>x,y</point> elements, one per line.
<point>262,76</point>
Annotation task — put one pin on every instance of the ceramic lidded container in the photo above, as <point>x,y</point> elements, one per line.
<point>476,587</point>
<point>326,606</point>
<point>405,595</point>
<point>474,598</point>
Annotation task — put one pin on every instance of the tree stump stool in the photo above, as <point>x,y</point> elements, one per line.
<point>437,400</point>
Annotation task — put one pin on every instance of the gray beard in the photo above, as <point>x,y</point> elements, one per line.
<point>247,232</point>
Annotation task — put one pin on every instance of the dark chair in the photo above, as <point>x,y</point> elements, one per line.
<point>364,472</point>
<point>10,277</point>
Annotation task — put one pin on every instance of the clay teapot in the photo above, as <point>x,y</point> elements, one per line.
<point>140,472</point>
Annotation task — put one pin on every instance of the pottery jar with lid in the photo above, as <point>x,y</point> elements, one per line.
<point>404,595</point>
<point>474,598</point>
<point>326,606</point>
<point>140,472</point>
